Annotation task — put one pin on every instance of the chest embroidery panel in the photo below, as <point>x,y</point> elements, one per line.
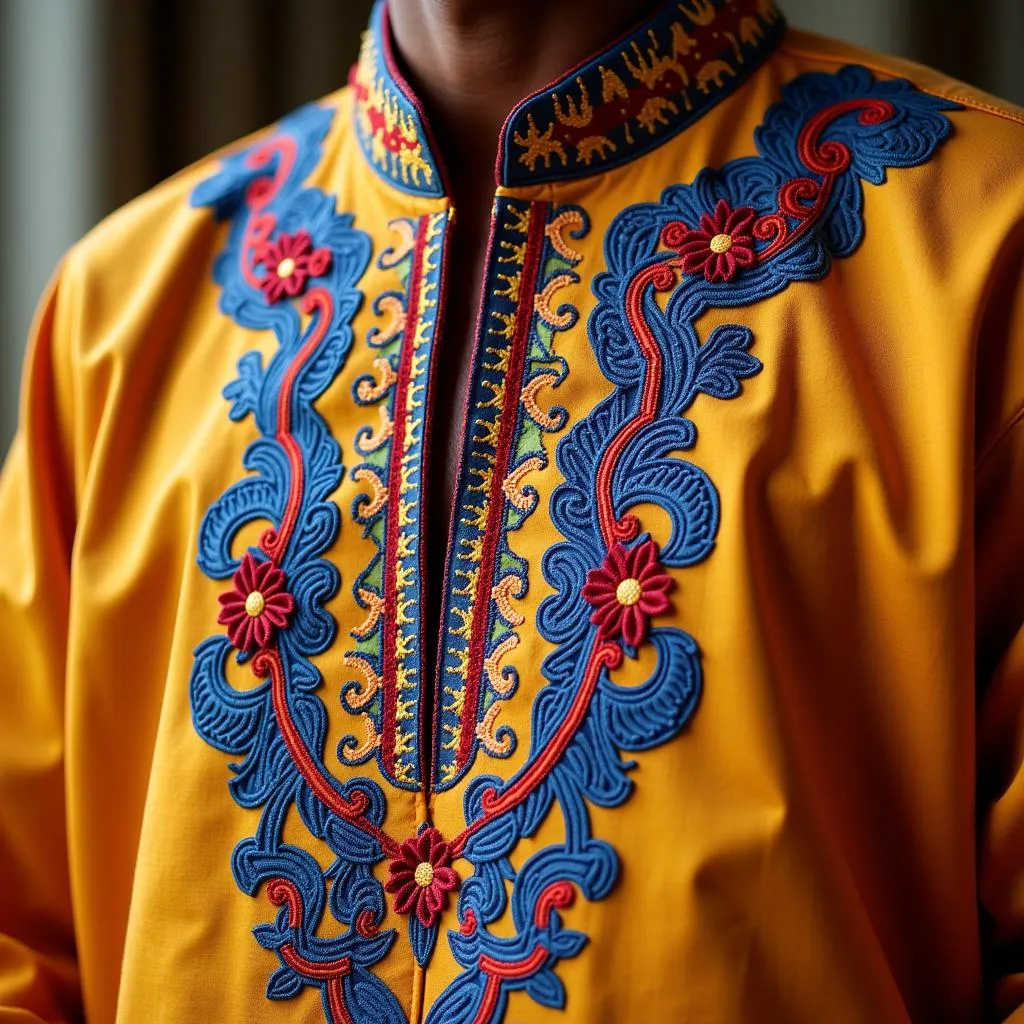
<point>735,236</point>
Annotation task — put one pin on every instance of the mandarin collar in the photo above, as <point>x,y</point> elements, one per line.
<point>611,109</point>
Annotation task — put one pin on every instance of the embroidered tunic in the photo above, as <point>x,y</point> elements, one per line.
<point>731,663</point>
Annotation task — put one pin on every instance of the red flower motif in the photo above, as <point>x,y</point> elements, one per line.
<point>421,876</point>
<point>722,244</point>
<point>629,588</point>
<point>257,606</point>
<point>290,262</point>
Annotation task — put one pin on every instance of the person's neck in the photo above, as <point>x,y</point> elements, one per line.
<point>471,61</point>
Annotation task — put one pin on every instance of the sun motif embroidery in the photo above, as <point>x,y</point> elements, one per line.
<point>627,591</point>
<point>290,262</point>
<point>421,877</point>
<point>721,246</point>
<point>257,606</point>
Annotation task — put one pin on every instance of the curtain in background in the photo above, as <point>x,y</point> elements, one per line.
<point>101,99</point>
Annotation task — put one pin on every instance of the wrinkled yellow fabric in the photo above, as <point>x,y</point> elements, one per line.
<point>809,849</point>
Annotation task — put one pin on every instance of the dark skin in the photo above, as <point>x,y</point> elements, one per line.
<point>470,62</point>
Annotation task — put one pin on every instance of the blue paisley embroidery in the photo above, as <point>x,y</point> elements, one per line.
<point>260,191</point>
<point>735,236</point>
<point>829,134</point>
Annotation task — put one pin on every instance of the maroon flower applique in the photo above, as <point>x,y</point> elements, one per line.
<point>722,244</point>
<point>421,876</point>
<point>626,591</point>
<point>290,262</point>
<point>257,606</point>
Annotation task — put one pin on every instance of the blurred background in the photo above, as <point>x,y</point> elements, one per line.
<point>101,99</point>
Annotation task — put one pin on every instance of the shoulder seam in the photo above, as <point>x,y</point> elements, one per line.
<point>1015,421</point>
<point>986,108</point>
<point>967,101</point>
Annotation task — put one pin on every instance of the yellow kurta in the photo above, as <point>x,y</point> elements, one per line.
<point>731,665</point>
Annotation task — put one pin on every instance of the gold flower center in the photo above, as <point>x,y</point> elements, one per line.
<point>721,243</point>
<point>628,592</point>
<point>424,874</point>
<point>254,604</point>
<point>287,266</point>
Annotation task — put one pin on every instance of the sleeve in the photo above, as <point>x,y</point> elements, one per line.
<point>38,973</point>
<point>999,631</point>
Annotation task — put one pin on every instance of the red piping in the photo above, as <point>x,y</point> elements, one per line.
<point>478,346</point>
<point>332,972</point>
<point>556,83</point>
<point>427,708</point>
<point>393,500</point>
<point>387,52</point>
<point>496,497</point>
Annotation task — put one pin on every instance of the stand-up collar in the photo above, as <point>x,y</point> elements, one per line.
<point>613,108</point>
